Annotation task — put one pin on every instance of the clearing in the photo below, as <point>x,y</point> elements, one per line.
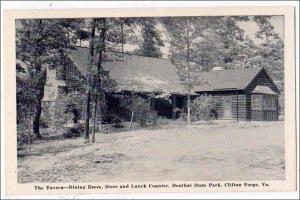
<point>218,150</point>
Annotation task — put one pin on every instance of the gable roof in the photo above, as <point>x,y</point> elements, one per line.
<point>237,79</point>
<point>134,72</point>
<point>147,74</point>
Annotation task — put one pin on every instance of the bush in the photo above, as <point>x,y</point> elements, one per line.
<point>75,131</point>
<point>146,117</point>
<point>203,107</point>
<point>117,122</point>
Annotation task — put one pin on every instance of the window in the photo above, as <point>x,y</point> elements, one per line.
<point>269,102</point>
<point>256,102</point>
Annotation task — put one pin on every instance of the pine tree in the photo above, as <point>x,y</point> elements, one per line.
<point>237,47</point>
<point>185,33</point>
<point>270,53</point>
<point>270,48</point>
<point>151,38</point>
<point>126,25</point>
<point>210,51</point>
<point>73,29</point>
<point>41,43</point>
<point>106,38</point>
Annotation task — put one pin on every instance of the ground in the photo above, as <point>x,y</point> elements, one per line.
<point>204,151</point>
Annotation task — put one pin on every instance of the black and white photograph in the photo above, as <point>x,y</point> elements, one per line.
<point>150,98</point>
<point>103,101</point>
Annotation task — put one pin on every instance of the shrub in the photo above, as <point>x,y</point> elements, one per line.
<point>117,122</point>
<point>75,131</point>
<point>202,107</point>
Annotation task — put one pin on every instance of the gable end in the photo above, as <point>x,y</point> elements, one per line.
<point>264,79</point>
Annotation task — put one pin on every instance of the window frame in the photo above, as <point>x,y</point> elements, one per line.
<point>259,102</point>
<point>269,102</point>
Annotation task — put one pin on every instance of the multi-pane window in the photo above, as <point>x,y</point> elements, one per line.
<point>269,102</point>
<point>256,102</point>
<point>263,102</point>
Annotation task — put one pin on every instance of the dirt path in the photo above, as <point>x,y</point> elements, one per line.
<point>231,151</point>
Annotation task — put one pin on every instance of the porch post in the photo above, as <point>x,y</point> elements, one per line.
<point>152,104</point>
<point>277,107</point>
<point>237,106</point>
<point>173,107</point>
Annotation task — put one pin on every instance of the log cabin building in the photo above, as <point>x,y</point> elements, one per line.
<point>243,94</point>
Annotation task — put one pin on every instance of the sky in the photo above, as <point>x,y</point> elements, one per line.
<point>251,28</point>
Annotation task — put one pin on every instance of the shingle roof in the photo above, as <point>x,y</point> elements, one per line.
<point>237,79</point>
<point>146,74</point>
<point>135,73</point>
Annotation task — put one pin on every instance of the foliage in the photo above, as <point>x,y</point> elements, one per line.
<point>105,36</point>
<point>73,131</point>
<point>270,53</point>
<point>185,34</point>
<point>73,102</point>
<point>202,107</point>
<point>151,38</point>
<point>40,43</point>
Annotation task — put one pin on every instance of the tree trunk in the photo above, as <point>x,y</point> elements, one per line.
<point>94,121</point>
<point>122,35</point>
<point>131,120</point>
<point>88,90</point>
<point>36,120</point>
<point>188,76</point>
<point>38,107</point>
<point>189,107</point>
<point>87,116</point>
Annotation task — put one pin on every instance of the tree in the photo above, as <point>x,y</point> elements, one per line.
<point>136,102</point>
<point>125,25</point>
<point>270,52</point>
<point>185,33</point>
<point>237,48</point>
<point>73,29</point>
<point>82,35</point>
<point>105,39</point>
<point>203,107</point>
<point>221,43</point>
<point>210,52</point>
<point>41,43</point>
<point>151,38</point>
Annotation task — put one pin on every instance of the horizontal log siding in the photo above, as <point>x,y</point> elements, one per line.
<point>248,106</point>
<point>74,84</point>
<point>219,106</point>
<point>239,107</point>
<point>260,115</point>
<point>238,111</point>
<point>265,115</point>
<point>74,79</point>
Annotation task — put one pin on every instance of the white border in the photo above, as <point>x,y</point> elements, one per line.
<point>94,4</point>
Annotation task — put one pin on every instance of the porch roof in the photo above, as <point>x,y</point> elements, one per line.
<point>262,90</point>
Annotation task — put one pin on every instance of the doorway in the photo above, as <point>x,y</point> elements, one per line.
<point>227,113</point>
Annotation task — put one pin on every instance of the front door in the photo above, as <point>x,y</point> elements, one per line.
<point>227,107</point>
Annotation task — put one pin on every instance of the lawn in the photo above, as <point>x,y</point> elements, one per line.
<point>220,150</point>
